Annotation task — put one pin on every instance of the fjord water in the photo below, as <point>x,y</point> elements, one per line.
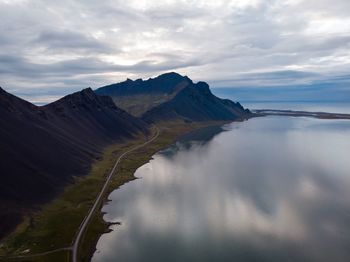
<point>329,107</point>
<point>267,189</point>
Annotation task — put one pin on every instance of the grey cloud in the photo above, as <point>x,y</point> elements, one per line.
<point>60,78</point>
<point>275,78</point>
<point>65,44</point>
<point>70,41</point>
<point>89,65</point>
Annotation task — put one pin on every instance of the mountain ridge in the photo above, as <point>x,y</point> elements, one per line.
<point>196,103</point>
<point>164,83</point>
<point>138,96</point>
<point>43,147</point>
<point>154,97</point>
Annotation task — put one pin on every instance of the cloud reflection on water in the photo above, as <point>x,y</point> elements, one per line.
<point>272,189</point>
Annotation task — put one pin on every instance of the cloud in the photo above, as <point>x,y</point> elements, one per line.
<point>69,44</point>
<point>69,41</point>
<point>11,65</point>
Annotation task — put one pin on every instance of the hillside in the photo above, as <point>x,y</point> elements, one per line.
<point>196,103</point>
<point>42,148</point>
<point>171,96</point>
<point>139,96</point>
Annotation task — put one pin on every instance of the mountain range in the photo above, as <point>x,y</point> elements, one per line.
<point>171,96</point>
<point>44,147</point>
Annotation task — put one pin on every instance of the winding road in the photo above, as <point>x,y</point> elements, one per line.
<point>88,217</point>
<point>85,222</point>
<point>36,255</point>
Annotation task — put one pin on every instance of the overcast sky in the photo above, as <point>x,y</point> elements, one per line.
<point>50,48</point>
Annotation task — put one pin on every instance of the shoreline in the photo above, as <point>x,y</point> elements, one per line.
<point>19,244</point>
<point>89,246</point>
<point>72,203</point>
<point>255,114</point>
<point>297,113</point>
<point>103,195</point>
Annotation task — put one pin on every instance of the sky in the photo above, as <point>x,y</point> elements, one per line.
<point>51,48</point>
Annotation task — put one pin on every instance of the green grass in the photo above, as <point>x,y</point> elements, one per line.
<point>55,257</point>
<point>56,224</point>
<point>139,104</point>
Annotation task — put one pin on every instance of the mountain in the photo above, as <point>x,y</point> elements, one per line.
<point>42,148</point>
<point>139,96</point>
<point>171,97</point>
<point>196,103</point>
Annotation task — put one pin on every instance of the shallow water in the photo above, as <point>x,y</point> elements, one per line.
<point>268,189</point>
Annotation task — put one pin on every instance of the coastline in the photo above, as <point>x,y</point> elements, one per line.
<point>297,113</point>
<point>169,134</point>
<point>77,199</point>
<point>73,204</point>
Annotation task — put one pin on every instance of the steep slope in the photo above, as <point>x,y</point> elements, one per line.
<point>139,96</point>
<point>91,118</point>
<point>195,102</point>
<point>170,96</point>
<point>43,147</point>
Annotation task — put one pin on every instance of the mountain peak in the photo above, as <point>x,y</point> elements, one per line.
<point>170,92</point>
<point>88,93</point>
<point>203,87</point>
<point>162,84</point>
<point>4,92</point>
<point>170,74</point>
<point>13,103</point>
<point>87,90</point>
<point>85,98</point>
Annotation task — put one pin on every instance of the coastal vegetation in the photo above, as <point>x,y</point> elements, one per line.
<point>53,227</point>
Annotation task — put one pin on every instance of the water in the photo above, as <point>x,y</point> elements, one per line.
<point>268,189</point>
<point>330,107</point>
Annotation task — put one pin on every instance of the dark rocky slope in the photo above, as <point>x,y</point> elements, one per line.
<point>164,84</point>
<point>139,96</point>
<point>172,96</point>
<point>42,148</point>
<point>195,102</point>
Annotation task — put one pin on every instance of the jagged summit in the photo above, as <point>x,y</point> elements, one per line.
<point>86,98</point>
<point>138,96</point>
<point>196,103</point>
<point>171,76</point>
<point>163,84</point>
<point>170,96</point>
<point>15,104</point>
<point>85,95</point>
<point>203,87</point>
